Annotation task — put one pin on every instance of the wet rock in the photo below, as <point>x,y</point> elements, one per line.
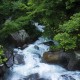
<point>10,62</point>
<point>49,43</point>
<point>15,51</point>
<point>37,55</point>
<point>76,66</point>
<point>10,58</point>
<point>66,77</point>
<point>65,59</point>
<point>34,77</point>
<point>24,46</point>
<point>1,78</point>
<point>2,71</point>
<point>19,38</point>
<point>36,47</point>
<point>43,79</point>
<point>51,57</point>
<point>19,59</point>
<point>8,74</point>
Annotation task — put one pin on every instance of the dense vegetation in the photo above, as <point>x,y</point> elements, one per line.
<point>3,59</point>
<point>61,18</point>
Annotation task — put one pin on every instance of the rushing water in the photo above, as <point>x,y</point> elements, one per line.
<point>33,64</point>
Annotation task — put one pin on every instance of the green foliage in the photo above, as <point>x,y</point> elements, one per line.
<point>69,4</point>
<point>70,36</point>
<point>65,41</point>
<point>9,27</point>
<point>52,13</point>
<point>2,58</point>
<point>56,15</point>
<point>15,17</point>
<point>18,5</point>
<point>72,25</point>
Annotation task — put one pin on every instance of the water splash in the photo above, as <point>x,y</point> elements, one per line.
<point>33,64</point>
<point>39,27</point>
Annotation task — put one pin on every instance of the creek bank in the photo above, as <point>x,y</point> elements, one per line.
<point>6,65</point>
<point>12,58</point>
<point>20,39</point>
<point>70,61</point>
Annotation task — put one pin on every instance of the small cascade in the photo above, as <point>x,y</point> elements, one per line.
<point>34,68</point>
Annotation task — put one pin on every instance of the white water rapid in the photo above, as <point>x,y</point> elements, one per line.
<point>33,64</point>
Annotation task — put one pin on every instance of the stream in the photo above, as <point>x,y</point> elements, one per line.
<point>35,69</point>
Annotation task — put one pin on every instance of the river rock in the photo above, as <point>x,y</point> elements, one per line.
<point>66,77</point>
<point>34,77</point>
<point>19,59</point>
<point>49,43</point>
<point>36,47</point>
<point>74,64</point>
<point>51,57</point>
<point>24,46</point>
<point>19,38</point>
<point>10,58</point>
<point>65,59</point>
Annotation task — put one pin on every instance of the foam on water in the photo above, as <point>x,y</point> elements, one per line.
<point>39,27</point>
<point>34,65</point>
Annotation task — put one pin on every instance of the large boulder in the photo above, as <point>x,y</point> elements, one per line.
<point>65,59</point>
<point>10,58</point>
<point>51,57</point>
<point>19,38</point>
<point>19,59</point>
<point>76,66</point>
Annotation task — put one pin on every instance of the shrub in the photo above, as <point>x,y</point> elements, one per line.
<point>2,58</point>
<point>65,41</point>
<point>69,36</point>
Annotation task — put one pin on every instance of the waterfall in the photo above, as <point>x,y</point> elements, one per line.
<point>34,64</point>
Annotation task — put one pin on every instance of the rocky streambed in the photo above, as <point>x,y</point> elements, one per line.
<point>36,62</point>
<point>32,66</point>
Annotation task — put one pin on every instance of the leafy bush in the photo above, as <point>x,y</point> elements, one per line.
<point>8,27</point>
<point>69,38</point>
<point>2,58</point>
<point>72,25</point>
<point>65,41</point>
